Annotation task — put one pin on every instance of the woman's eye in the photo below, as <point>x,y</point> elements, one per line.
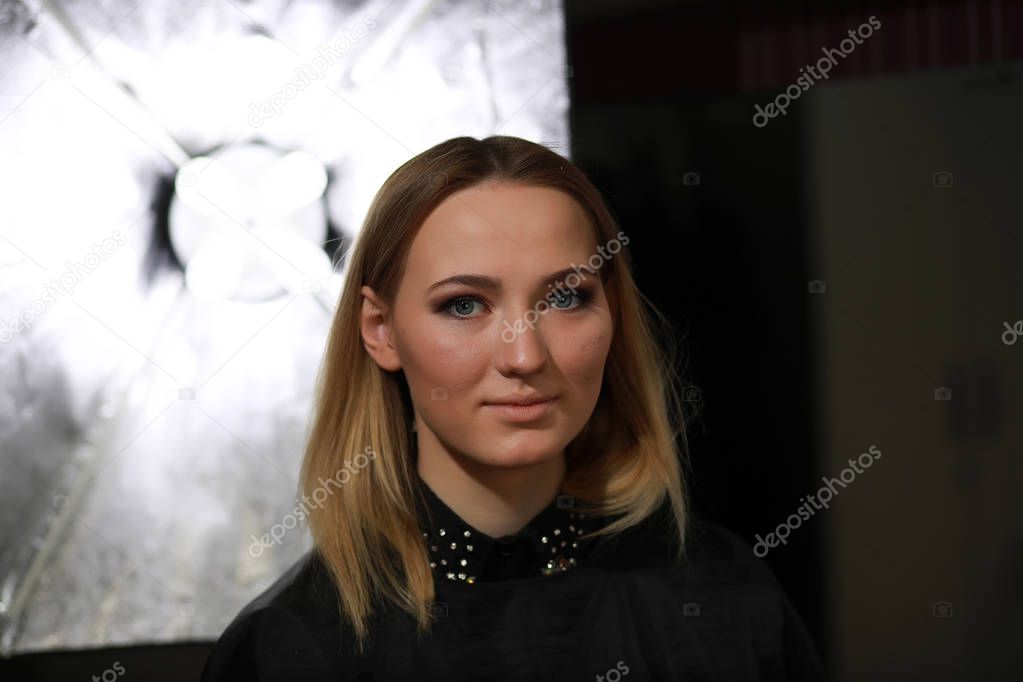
<point>464,307</point>
<point>563,301</point>
<point>461,306</point>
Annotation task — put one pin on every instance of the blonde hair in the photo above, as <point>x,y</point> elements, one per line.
<point>623,462</point>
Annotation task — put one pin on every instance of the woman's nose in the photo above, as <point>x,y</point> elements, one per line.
<point>521,347</point>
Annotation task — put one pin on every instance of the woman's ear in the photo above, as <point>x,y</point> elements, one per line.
<point>375,327</point>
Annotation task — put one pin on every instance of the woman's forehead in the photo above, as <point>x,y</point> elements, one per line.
<point>505,223</point>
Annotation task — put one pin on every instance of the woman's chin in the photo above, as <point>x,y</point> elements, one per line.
<point>520,451</point>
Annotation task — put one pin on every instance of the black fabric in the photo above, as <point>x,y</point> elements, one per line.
<point>624,611</point>
<point>549,543</point>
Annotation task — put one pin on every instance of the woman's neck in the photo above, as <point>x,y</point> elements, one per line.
<point>494,500</point>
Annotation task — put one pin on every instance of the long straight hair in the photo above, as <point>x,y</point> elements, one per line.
<point>624,462</point>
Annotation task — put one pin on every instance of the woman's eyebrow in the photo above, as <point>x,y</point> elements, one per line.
<point>478,281</point>
<point>492,283</point>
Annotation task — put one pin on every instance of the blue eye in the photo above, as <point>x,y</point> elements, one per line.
<point>457,306</point>
<point>557,297</point>
<point>462,307</point>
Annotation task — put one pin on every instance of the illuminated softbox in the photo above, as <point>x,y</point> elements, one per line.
<point>177,180</point>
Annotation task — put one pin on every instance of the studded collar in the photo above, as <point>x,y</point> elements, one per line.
<point>547,545</point>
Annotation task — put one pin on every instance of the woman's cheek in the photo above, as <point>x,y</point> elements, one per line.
<point>584,365</point>
<point>592,345</point>
<point>452,369</point>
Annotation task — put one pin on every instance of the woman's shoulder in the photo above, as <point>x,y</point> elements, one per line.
<point>713,553</point>
<point>290,616</point>
<point>718,576</point>
<point>305,590</point>
<point>711,550</point>
<point>723,568</point>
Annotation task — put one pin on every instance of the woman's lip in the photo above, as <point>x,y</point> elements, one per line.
<point>521,413</point>
<point>535,402</point>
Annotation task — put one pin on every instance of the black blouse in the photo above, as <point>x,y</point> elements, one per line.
<point>539,605</point>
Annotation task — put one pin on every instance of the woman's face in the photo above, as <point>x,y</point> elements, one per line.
<point>459,328</point>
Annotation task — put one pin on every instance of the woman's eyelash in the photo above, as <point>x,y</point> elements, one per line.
<point>446,306</point>
<point>583,296</point>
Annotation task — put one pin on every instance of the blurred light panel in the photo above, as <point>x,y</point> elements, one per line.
<point>153,410</point>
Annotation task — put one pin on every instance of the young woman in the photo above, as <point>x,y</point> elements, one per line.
<point>494,485</point>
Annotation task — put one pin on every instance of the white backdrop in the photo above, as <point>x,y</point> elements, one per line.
<point>151,426</point>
